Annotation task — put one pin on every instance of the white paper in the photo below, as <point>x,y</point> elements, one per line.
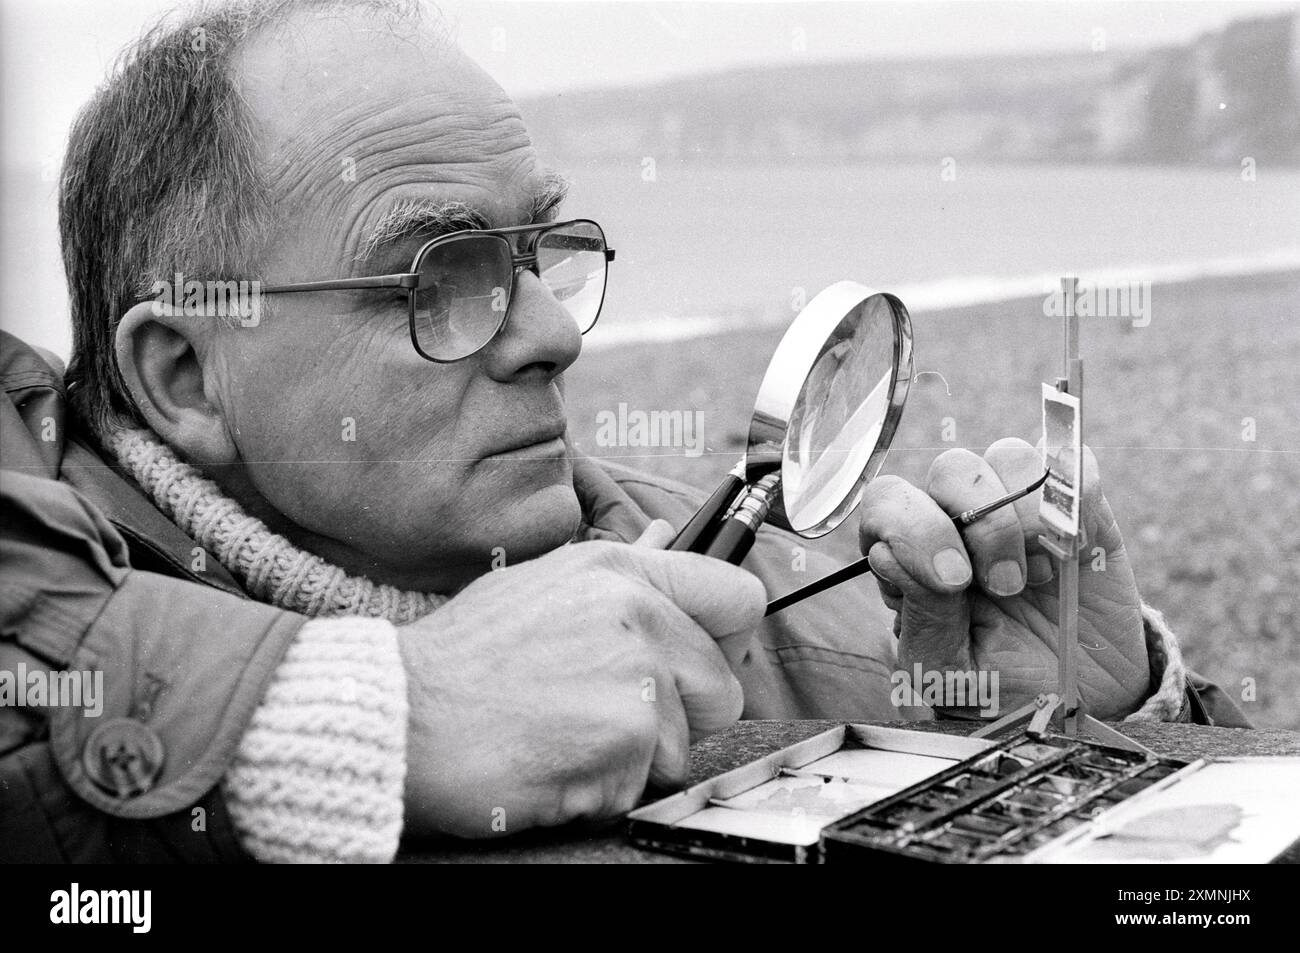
<point>1229,812</point>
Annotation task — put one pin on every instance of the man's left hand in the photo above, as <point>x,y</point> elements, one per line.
<point>1002,616</point>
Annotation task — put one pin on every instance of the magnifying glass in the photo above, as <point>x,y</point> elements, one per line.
<point>826,412</point>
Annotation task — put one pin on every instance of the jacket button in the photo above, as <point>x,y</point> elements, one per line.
<point>123,757</point>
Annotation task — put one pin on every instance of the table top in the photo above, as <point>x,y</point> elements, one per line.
<point>750,740</point>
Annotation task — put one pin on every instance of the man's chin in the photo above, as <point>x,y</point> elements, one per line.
<point>536,522</point>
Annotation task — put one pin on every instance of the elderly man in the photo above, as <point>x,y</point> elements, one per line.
<point>275,537</point>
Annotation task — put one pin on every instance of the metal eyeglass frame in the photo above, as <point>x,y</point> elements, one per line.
<point>411,280</point>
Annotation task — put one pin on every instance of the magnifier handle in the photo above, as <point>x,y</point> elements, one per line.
<point>732,543</point>
<point>737,534</point>
<point>698,533</point>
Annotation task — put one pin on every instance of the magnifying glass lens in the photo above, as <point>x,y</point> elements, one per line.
<point>836,423</point>
<point>823,420</point>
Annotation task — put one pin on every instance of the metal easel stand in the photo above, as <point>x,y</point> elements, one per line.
<point>1064,710</point>
<point>1047,711</point>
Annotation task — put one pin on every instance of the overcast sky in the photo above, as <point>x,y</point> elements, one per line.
<point>54,52</point>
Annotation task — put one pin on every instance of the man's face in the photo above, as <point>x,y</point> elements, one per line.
<point>409,471</point>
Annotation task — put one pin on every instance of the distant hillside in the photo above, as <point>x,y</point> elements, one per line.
<point>1159,105</point>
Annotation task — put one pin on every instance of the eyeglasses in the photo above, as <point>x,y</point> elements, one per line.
<point>460,285</point>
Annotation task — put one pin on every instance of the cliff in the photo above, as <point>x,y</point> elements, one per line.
<point>1227,96</point>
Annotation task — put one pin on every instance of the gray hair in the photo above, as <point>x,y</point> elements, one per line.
<point>163,175</point>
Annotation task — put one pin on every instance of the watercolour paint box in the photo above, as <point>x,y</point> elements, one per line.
<point>860,793</point>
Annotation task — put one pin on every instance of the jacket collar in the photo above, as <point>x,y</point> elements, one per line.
<point>607,510</point>
<point>120,499</point>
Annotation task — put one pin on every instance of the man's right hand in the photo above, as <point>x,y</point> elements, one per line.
<point>552,691</point>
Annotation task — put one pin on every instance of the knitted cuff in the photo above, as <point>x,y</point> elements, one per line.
<point>319,774</point>
<point>1168,702</point>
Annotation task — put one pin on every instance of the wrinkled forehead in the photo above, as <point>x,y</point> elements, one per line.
<point>354,115</point>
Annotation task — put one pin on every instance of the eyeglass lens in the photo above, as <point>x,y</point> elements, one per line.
<point>465,285</point>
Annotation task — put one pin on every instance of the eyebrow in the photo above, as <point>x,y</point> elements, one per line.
<point>427,218</point>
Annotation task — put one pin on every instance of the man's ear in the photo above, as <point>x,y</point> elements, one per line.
<point>158,353</point>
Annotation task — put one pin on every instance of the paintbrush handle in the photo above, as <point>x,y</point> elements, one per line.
<point>862,567</point>
<point>851,571</point>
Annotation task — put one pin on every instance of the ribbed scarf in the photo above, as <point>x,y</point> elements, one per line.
<point>269,567</point>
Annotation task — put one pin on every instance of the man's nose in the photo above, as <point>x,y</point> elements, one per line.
<point>540,338</point>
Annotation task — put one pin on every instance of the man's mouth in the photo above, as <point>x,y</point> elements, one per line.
<point>542,442</point>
